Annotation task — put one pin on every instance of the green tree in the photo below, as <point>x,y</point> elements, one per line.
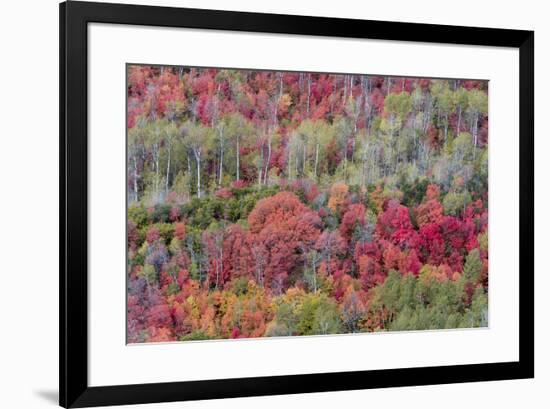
<point>473,266</point>
<point>477,106</point>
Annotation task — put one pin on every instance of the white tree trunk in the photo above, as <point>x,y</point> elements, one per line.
<point>168,168</point>
<point>314,269</point>
<point>266,173</point>
<point>474,130</point>
<point>289,176</point>
<point>199,177</point>
<point>260,176</point>
<point>197,154</point>
<point>156,155</point>
<point>316,159</point>
<point>304,157</point>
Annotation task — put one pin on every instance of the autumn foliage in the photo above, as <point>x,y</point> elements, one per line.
<point>278,204</point>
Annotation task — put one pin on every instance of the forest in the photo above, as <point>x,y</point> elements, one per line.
<point>265,203</point>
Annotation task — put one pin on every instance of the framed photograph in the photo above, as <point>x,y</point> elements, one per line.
<point>256,204</point>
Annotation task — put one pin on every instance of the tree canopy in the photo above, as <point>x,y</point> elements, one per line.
<point>277,203</point>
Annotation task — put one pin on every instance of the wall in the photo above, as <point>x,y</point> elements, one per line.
<point>29,222</point>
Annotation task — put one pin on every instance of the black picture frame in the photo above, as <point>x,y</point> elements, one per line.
<point>74,17</point>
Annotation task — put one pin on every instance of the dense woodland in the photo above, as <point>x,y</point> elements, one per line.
<point>279,203</point>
